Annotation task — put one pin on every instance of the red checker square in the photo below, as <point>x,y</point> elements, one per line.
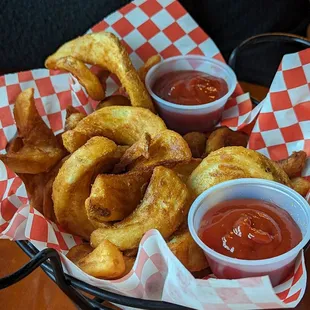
<point>267,121</point>
<point>40,106</point>
<point>13,91</point>
<point>45,87</point>
<point>6,116</point>
<point>100,26</point>
<point>148,29</point>
<point>307,147</point>
<point>55,121</point>
<point>143,257</point>
<point>17,182</point>
<point>170,51</point>
<point>127,47</point>
<point>256,141</point>
<point>4,226</point>
<point>176,10</point>
<point>231,102</point>
<point>127,8</point>
<point>25,76</point>
<point>280,100</point>
<point>233,294</point>
<point>10,174</point>
<point>61,241</point>
<point>282,295</point>
<point>198,35</point>
<point>304,57</point>
<point>244,107</point>
<point>65,99</point>
<point>278,152</point>
<point>145,51</point>
<point>196,51</point>
<point>123,27</point>
<point>230,122</point>
<point>292,133</point>
<point>3,141</point>
<point>174,32</point>
<point>2,81</point>
<point>56,72</point>
<point>292,298</point>
<point>53,246</point>
<point>297,274</point>
<point>294,77</point>
<point>3,185</point>
<point>7,210</point>
<point>39,228</point>
<point>302,111</point>
<point>150,7</point>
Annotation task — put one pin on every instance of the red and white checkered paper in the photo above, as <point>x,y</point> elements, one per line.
<point>148,28</point>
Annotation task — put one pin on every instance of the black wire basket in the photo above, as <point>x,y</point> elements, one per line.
<point>49,260</point>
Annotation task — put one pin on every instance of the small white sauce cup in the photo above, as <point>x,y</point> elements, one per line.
<point>277,268</point>
<point>185,118</point>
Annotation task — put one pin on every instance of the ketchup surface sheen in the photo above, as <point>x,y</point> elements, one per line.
<point>190,87</point>
<point>249,229</point>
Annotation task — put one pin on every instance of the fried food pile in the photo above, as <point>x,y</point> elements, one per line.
<point>113,175</point>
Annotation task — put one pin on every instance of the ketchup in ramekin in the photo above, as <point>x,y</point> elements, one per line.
<point>249,229</point>
<point>190,92</point>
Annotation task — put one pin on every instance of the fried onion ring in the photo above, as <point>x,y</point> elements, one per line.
<point>117,100</point>
<point>164,207</point>
<point>73,183</point>
<point>124,125</point>
<point>86,78</point>
<point>105,50</point>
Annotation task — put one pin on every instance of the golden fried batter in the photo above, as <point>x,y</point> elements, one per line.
<point>196,142</point>
<point>294,164</point>
<point>234,162</point>
<point>301,186</point>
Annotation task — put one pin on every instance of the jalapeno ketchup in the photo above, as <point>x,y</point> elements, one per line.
<point>249,229</point>
<point>189,87</point>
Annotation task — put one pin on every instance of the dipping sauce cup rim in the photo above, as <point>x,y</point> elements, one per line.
<point>223,66</point>
<point>236,261</point>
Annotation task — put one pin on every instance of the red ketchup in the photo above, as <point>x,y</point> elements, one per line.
<point>249,229</point>
<point>189,87</point>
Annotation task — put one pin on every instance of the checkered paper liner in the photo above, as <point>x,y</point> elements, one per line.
<point>148,28</point>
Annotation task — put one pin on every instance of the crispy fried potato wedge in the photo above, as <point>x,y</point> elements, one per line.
<point>164,207</point>
<point>167,149</point>
<point>196,142</point>
<point>234,162</point>
<point>73,183</point>
<point>294,164</point>
<point>86,78</point>
<point>106,261</point>
<point>183,246</point>
<point>151,62</point>
<point>137,150</point>
<point>72,118</point>
<point>223,136</point>
<point>37,149</point>
<point>115,196</point>
<point>105,50</point>
<point>184,170</point>
<point>124,125</point>
<point>301,186</point>
<point>116,100</point>
<point>78,252</point>
<point>129,262</point>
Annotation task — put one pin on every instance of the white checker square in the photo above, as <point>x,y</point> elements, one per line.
<point>243,97</point>
<point>291,61</point>
<point>40,73</point>
<point>264,151</point>
<point>30,84</point>
<point>187,23</point>
<point>136,60</point>
<point>10,132</point>
<point>306,69</point>
<point>148,269</point>
<point>305,172</point>
<point>134,39</point>
<point>111,30</point>
<point>209,48</point>
<point>60,82</point>
<point>295,146</point>
<point>266,104</point>
<point>150,245</point>
<point>185,44</point>
<point>138,2</point>
<point>162,19</point>
<point>272,137</point>
<point>11,79</point>
<point>136,17</point>
<point>242,306</point>
<point>113,18</point>
<point>285,117</point>
<point>4,97</point>
<point>51,104</point>
<point>219,283</point>
<point>278,83</point>
<point>160,42</point>
<point>165,3</point>
<point>305,128</point>
<point>299,94</point>
<point>208,293</point>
